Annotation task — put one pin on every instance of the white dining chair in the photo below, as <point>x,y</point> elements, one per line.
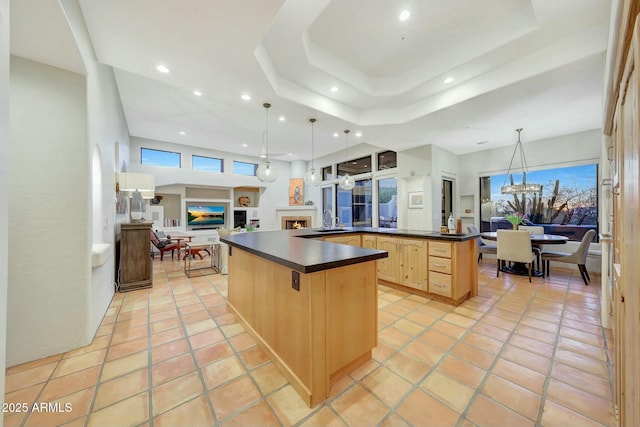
<point>483,248</point>
<point>578,257</point>
<point>534,229</point>
<point>514,246</point>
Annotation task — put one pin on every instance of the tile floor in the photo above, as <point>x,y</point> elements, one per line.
<point>519,354</point>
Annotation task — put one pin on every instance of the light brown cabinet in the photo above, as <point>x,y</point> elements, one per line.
<point>349,239</point>
<point>406,264</point>
<point>135,267</point>
<point>369,241</point>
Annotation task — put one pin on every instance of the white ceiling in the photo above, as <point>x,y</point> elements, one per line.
<point>536,64</point>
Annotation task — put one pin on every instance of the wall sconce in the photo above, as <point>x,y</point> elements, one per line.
<point>139,185</point>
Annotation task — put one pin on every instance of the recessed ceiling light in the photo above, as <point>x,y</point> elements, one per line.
<point>197,93</point>
<point>336,134</point>
<point>404,15</point>
<point>246,97</point>
<point>182,132</point>
<point>263,156</point>
<point>334,89</point>
<point>245,145</point>
<point>358,134</point>
<point>162,69</point>
<point>448,80</point>
<point>282,118</point>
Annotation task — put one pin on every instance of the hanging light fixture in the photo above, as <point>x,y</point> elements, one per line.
<point>265,172</point>
<point>346,182</point>
<point>524,187</point>
<point>311,178</point>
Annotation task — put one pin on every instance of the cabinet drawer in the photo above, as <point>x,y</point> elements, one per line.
<point>441,249</point>
<point>440,284</point>
<point>443,265</point>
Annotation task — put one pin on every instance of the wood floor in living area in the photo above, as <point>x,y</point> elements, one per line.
<point>519,354</point>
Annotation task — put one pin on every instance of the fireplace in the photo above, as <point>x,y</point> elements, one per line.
<point>290,222</point>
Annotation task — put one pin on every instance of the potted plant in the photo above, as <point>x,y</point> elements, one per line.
<point>515,219</point>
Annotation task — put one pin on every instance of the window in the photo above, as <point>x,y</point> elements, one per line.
<point>152,157</point>
<point>244,168</point>
<point>327,203</point>
<point>568,205</point>
<point>353,207</point>
<point>355,166</point>
<point>387,160</point>
<point>388,203</point>
<point>207,164</point>
<point>326,173</point>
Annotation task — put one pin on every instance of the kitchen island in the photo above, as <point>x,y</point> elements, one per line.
<point>311,305</point>
<point>309,296</point>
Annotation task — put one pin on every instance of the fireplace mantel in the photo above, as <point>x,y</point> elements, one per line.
<point>308,213</point>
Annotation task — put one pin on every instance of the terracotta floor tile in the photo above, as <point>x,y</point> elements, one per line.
<point>125,365</point>
<point>68,384</point>
<point>69,407</point>
<point>486,412</point>
<point>420,409</point>
<point>127,348</point>
<point>407,367</point>
<point>513,396</point>
<point>213,353</point>
<point>79,363</point>
<point>166,336</point>
<point>393,336</point>
<point>222,371</point>
<point>438,339</point>
<point>172,368</point>
<point>397,309</point>
<point>491,331</point>
<point>193,413</point>
<point>232,330</point>
<point>24,395</point>
<point>459,320</point>
<point>121,388</point>
<point>382,351</point>
<point>268,378</point>
<point>230,397</point>
<point>388,386</point>
<point>580,401</point>
<point>175,392</point>
<point>518,374</point>
<point>537,334</point>
<point>462,371</point>
<point>424,351</point>
<point>195,316</point>
<point>131,411</point>
<point>253,357</point>
<point>532,345</point>
<point>586,337</point>
<point>582,348</point>
<point>474,355</point>
<point>584,363</point>
<point>526,358</point>
<point>420,318</point>
<point>364,370</point>
<point>29,377</point>
<point>97,344</point>
<point>169,350</point>
<point>409,327</point>
<point>483,342</point>
<point>259,414</point>
<point>357,406</point>
<point>449,391</point>
<point>450,329</point>
<point>34,364</point>
<point>555,415</point>
<point>242,342</point>
<point>127,334</point>
<point>385,319</point>
<point>206,338</point>
<point>323,417</point>
<point>163,325</point>
<point>582,380</point>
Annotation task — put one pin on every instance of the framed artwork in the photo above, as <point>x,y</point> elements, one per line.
<point>296,196</point>
<point>415,199</point>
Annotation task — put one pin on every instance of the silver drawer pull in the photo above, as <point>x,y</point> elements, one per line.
<point>439,265</point>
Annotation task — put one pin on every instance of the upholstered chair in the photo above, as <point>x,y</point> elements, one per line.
<point>578,257</point>
<point>514,246</point>
<point>483,248</point>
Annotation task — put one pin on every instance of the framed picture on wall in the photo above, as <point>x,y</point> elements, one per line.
<point>296,187</point>
<point>415,199</point>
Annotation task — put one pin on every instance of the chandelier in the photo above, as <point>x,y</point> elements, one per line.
<point>311,177</point>
<point>524,187</point>
<point>346,182</point>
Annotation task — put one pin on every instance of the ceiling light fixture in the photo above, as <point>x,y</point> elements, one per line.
<point>282,118</point>
<point>334,89</point>
<point>336,134</point>
<point>448,80</point>
<point>162,68</point>
<point>265,172</point>
<point>182,132</point>
<point>197,93</point>
<point>524,187</point>
<point>358,134</point>
<point>404,15</point>
<point>246,97</point>
<point>311,178</point>
<point>346,182</point>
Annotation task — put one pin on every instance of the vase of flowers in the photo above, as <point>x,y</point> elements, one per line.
<point>515,219</point>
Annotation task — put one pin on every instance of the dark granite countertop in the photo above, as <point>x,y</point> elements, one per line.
<point>307,255</point>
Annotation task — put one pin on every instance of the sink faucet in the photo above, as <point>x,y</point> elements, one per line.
<point>326,223</point>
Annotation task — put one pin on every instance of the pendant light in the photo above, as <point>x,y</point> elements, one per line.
<point>311,178</point>
<point>265,172</point>
<point>524,187</point>
<point>346,182</point>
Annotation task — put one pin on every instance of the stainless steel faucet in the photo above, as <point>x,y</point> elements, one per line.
<point>326,223</point>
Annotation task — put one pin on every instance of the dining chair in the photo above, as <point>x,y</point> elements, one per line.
<point>534,229</point>
<point>578,257</point>
<point>514,246</point>
<point>483,248</point>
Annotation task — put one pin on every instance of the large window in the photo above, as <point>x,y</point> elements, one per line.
<point>326,173</point>
<point>353,207</point>
<point>388,203</point>
<point>152,157</point>
<point>568,205</point>
<point>244,168</point>
<point>355,166</point>
<point>387,160</point>
<point>208,164</point>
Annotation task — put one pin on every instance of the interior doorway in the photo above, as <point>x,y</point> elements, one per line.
<point>447,200</point>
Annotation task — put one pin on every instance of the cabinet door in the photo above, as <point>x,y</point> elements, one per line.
<point>389,268</point>
<point>369,241</point>
<point>352,239</point>
<point>414,263</point>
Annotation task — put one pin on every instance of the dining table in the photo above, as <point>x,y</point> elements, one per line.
<point>537,240</point>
